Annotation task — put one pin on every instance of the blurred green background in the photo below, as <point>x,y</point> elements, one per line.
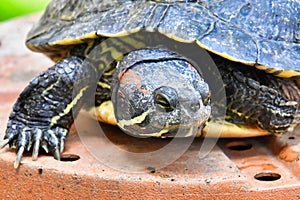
<point>14,8</point>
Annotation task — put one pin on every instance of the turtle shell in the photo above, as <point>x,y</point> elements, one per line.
<point>265,34</point>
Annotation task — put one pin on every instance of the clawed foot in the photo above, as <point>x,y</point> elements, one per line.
<point>25,138</point>
<point>46,109</point>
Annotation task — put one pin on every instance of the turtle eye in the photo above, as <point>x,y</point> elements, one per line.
<point>166,98</point>
<point>163,102</point>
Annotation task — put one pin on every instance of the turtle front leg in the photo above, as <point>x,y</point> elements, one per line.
<point>45,110</point>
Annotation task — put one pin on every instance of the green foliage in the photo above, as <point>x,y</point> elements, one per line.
<point>14,8</point>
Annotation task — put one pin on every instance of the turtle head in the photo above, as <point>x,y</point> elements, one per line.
<point>156,93</point>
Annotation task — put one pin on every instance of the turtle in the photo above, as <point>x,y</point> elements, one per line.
<point>126,61</point>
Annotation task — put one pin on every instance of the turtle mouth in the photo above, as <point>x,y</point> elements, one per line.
<point>181,131</point>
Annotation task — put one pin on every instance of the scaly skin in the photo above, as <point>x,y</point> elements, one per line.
<point>42,114</point>
<point>255,97</point>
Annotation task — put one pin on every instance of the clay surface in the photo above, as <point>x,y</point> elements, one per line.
<point>253,168</point>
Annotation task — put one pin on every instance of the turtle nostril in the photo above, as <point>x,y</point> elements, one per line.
<point>195,106</point>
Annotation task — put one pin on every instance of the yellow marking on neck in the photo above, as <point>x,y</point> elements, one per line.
<point>159,134</point>
<point>104,85</point>
<point>109,73</point>
<point>69,107</point>
<point>190,133</point>
<point>136,120</point>
<point>133,42</point>
<point>89,47</point>
<point>115,54</point>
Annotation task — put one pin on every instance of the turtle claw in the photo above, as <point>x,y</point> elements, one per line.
<point>4,143</point>
<point>56,154</point>
<point>62,145</point>
<point>26,138</point>
<point>45,147</point>
<point>35,150</point>
<point>55,140</point>
<point>36,144</point>
<point>19,156</point>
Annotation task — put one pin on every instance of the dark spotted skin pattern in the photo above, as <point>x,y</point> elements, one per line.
<point>41,116</point>
<point>255,97</point>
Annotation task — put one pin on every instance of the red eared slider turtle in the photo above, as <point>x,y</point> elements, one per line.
<point>255,45</point>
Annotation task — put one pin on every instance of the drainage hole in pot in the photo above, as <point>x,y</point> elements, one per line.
<point>267,176</point>
<point>69,157</point>
<point>239,146</point>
